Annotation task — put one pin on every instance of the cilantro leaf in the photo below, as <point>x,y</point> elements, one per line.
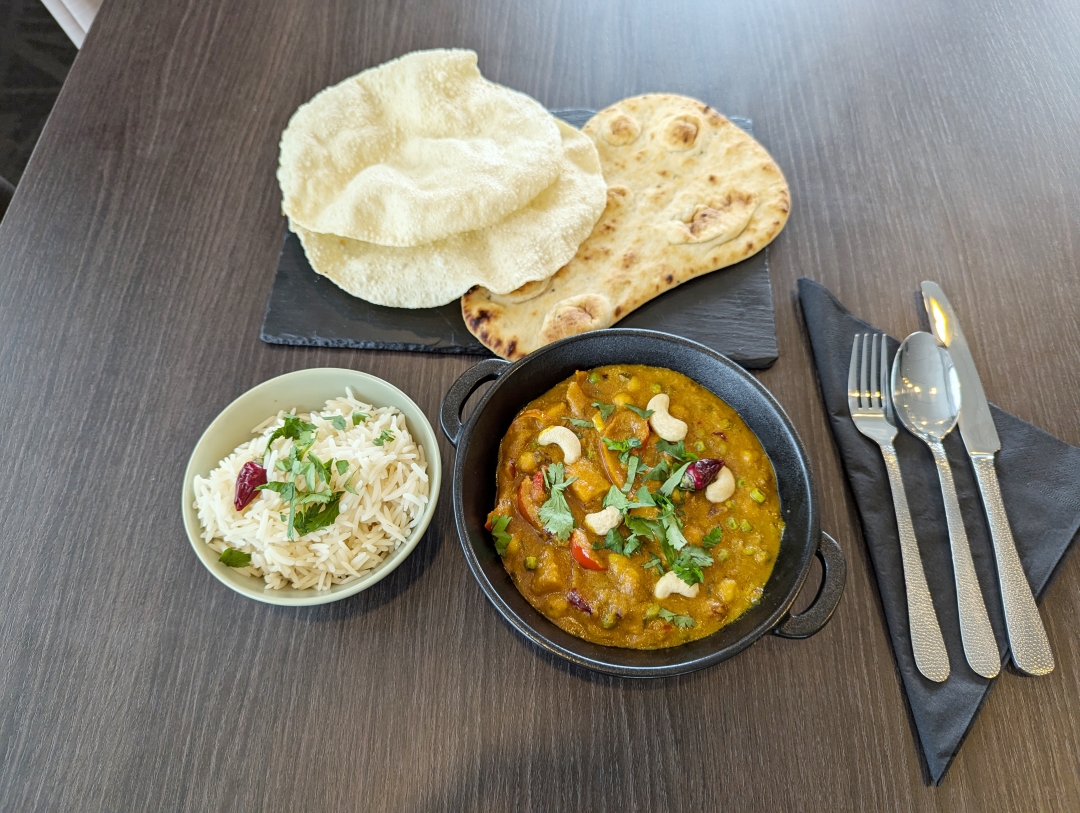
<point>644,413</point>
<point>659,472</point>
<point>640,526</point>
<point>673,531</point>
<point>338,422</point>
<point>617,498</point>
<point>683,621</point>
<point>235,558</point>
<point>315,519</point>
<point>654,564</point>
<point>605,409</point>
<point>631,472</point>
<point>688,564</point>
<point>342,467</point>
<point>581,424</point>
<point>502,538</point>
<point>614,541</point>
<point>632,544</point>
<point>644,498</point>
<point>673,481</point>
<point>301,432</point>
<point>676,450</point>
<point>555,513</point>
<point>383,437</point>
<point>712,538</point>
<point>359,417</point>
<point>621,445</point>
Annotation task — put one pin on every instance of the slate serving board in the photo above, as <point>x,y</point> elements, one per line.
<point>730,311</point>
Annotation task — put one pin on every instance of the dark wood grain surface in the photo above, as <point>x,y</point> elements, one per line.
<point>927,139</point>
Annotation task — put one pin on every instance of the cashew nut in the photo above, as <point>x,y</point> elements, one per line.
<point>670,583</point>
<point>603,521</point>
<point>564,439</point>
<point>663,422</point>
<point>722,487</point>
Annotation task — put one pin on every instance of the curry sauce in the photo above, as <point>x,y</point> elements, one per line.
<point>635,508</point>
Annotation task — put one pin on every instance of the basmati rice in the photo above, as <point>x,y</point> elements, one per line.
<point>392,493</point>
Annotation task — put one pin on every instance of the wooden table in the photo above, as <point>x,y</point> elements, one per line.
<point>921,140</point>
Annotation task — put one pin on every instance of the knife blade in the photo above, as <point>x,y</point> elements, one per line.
<point>976,424</point>
<point>1027,637</point>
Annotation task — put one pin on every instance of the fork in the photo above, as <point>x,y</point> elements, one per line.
<point>872,412</point>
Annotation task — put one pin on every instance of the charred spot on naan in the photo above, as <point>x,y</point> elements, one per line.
<point>577,314</point>
<point>680,132</point>
<point>721,219</point>
<point>620,130</point>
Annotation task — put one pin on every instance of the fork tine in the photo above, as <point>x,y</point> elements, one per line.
<point>886,384</point>
<point>853,376</point>
<point>875,390</point>
<point>864,378</point>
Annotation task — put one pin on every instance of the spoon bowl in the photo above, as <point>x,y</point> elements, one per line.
<point>925,387</point>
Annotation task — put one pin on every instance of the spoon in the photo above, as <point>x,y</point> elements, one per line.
<point>926,394</point>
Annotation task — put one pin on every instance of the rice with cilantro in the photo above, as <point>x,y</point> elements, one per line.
<point>345,486</point>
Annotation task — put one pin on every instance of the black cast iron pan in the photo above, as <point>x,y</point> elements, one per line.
<point>477,442</point>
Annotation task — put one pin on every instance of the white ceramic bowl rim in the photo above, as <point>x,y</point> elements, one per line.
<point>302,389</point>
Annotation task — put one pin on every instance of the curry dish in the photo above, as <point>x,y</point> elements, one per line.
<point>635,508</point>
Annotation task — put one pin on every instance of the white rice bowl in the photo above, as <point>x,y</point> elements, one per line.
<point>391,482</point>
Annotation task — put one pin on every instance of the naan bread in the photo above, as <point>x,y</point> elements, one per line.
<point>530,244</point>
<point>688,193</point>
<point>415,150</point>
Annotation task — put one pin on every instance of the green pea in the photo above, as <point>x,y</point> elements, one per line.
<point>731,524</point>
<point>610,619</point>
<point>726,424</point>
<point>531,563</point>
<point>652,611</point>
<point>699,446</point>
<point>594,378</point>
<point>722,554</point>
<point>740,482</point>
<point>745,526</point>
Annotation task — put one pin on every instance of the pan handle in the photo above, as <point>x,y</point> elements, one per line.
<point>819,612</point>
<point>456,397</point>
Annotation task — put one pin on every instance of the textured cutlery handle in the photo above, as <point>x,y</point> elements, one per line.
<point>1030,647</point>
<point>926,642</point>
<point>980,646</point>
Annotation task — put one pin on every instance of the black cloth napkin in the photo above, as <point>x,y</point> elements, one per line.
<point>1040,485</point>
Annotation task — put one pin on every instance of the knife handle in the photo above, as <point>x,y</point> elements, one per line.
<point>980,645</point>
<point>1027,637</point>
<point>926,642</point>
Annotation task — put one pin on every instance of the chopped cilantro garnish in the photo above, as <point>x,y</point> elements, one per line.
<point>660,471</point>
<point>502,538</point>
<point>688,564</point>
<point>683,621</point>
<point>301,432</point>
<point>555,513</point>
<point>632,462</point>
<point>342,467</point>
<point>644,413</point>
<point>622,446</point>
<point>712,538</point>
<point>384,436</point>
<point>359,417</point>
<point>673,481</point>
<point>615,542</point>
<point>654,564</point>
<point>640,526</point>
<point>581,424</point>
<point>676,450</point>
<point>337,421</point>
<point>309,521</point>
<point>605,409</point>
<point>645,498</point>
<point>234,558</point>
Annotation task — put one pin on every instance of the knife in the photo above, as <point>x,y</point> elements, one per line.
<point>1027,637</point>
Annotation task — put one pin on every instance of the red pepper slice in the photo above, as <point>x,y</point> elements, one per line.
<point>583,552</point>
